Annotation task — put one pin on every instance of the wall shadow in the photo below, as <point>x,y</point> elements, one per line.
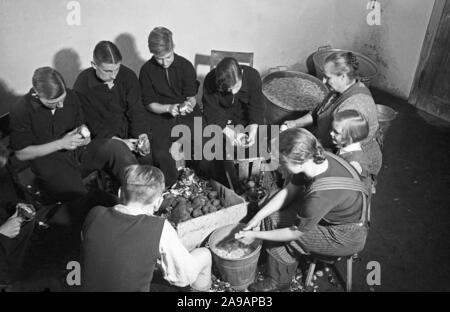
<point>67,63</point>
<point>7,98</point>
<point>127,46</point>
<point>202,65</point>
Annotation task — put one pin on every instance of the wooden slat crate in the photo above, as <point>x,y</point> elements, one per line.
<point>193,232</point>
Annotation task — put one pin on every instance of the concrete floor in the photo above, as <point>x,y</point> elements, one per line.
<point>410,231</point>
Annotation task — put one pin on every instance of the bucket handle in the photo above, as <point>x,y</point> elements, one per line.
<point>278,68</point>
<point>323,48</point>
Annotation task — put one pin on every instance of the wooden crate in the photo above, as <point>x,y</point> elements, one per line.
<point>193,232</point>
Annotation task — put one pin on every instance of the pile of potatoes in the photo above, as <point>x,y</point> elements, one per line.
<point>178,208</point>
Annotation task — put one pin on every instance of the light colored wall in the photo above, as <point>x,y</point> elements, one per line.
<point>283,32</point>
<point>35,33</point>
<point>395,45</point>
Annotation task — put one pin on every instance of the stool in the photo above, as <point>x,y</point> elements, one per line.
<point>330,260</point>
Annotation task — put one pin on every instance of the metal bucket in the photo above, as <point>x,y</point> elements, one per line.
<point>276,115</point>
<point>367,68</point>
<point>385,117</point>
<point>240,273</point>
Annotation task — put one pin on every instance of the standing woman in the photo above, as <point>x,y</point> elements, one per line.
<point>232,95</point>
<point>326,222</point>
<point>169,86</point>
<point>347,93</point>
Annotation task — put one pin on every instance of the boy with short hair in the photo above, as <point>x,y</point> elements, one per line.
<point>121,245</point>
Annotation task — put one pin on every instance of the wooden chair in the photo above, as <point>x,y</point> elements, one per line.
<point>244,58</point>
<point>333,260</point>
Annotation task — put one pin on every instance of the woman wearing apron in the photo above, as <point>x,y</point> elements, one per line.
<point>327,221</point>
<point>347,93</point>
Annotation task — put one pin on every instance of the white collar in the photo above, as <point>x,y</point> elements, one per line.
<point>131,209</point>
<point>350,148</point>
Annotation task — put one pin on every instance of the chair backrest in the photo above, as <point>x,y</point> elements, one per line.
<point>248,168</point>
<point>244,58</point>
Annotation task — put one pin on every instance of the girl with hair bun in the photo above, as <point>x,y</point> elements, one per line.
<point>327,222</point>
<point>347,93</point>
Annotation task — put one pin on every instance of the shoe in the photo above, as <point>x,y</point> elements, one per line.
<point>268,285</point>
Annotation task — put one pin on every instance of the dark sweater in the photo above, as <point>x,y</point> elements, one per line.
<point>244,108</point>
<point>113,112</point>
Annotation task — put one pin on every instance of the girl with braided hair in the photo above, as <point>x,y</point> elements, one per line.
<point>294,222</point>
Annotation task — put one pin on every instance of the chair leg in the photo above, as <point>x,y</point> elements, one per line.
<point>311,269</point>
<point>349,273</point>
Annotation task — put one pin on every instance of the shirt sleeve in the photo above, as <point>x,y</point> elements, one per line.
<point>93,120</point>
<point>20,124</point>
<point>189,88</point>
<point>213,113</point>
<point>312,209</point>
<point>256,100</point>
<point>178,265</point>
<point>79,119</point>
<point>136,112</point>
<point>149,94</point>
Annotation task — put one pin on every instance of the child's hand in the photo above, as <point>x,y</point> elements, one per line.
<point>246,237</point>
<point>11,228</point>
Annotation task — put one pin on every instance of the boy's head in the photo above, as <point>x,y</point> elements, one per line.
<point>160,44</point>
<point>229,75</point>
<point>349,126</point>
<point>106,61</point>
<point>143,184</point>
<point>49,87</point>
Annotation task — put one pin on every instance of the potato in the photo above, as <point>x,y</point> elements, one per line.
<point>251,184</point>
<point>167,202</point>
<point>212,209</point>
<point>197,213</point>
<point>205,208</point>
<point>185,217</point>
<point>212,195</point>
<point>215,202</point>
<point>178,214</point>
<point>199,201</point>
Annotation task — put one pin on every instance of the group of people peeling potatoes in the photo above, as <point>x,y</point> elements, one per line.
<point>122,240</point>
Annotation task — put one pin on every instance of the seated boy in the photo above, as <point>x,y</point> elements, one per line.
<point>15,234</point>
<point>121,245</point>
